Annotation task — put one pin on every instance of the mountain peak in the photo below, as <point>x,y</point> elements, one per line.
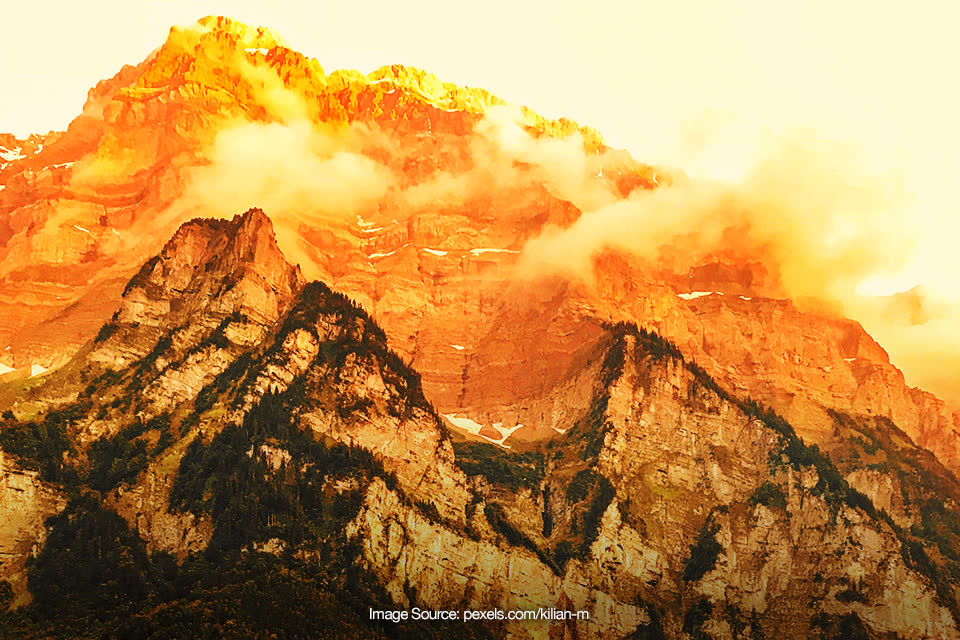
<point>209,270</point>
<point>233,249</point>
<point>221,27</point>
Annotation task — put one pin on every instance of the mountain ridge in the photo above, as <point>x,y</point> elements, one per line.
<point>398,259</point>
<point>397,395</point>
<point>661,460</point>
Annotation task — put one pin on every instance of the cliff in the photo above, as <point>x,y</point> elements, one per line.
<point>231,408</point>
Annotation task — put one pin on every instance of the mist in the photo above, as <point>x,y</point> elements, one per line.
<point>816,213</point>
<point>805,209</point>
<point>299,173</point>
<point>505,157</point>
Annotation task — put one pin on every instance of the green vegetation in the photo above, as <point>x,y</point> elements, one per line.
<point>587,497</point>
<point>703,552</point>
<point>929,491</point>
<point>591,429</point>
<point>264,597</point>
<point>547,515</point>
<point>146,365</point>
<point>848,627</point>
<point>696,617</point>
<point>235,372</point>
<point>6,596</point>
<point>500,467</point>
<point>748,628</point>
<point>656,346</point>
<point>260,480</point>
<point>703,379</point>
<point>218,337</point>
<point>851,595</point>
<point>362,339</point>
<point>103,381</point>
<point>603,494</point>
<point>581,485</point>
<point>497,518</point>
<point>830,483</point>
<point>90,562</point>
<point>106,331</point>
<point>122,457</point>
<point>769,495</point>
<point>252,496</point>
<point>42,445</point>
<point>564,552</point>
<point>142,277</point>
<point>94,580</point>
<point>651,631</point>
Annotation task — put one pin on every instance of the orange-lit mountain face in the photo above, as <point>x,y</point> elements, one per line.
<point>424,201</point>
<point>308,392</point>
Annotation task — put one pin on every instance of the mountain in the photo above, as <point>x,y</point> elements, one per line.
<point>377,394</point>
<point>231,414</point>
<point>407,226</point>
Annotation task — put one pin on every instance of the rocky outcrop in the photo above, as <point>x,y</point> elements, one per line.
<point>80,210</point>
<point>687,464</point>
<point>25,504</point>
<point>146,506</point>
<point>444,569</point>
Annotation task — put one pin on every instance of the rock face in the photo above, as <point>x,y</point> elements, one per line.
<point>432,258</point>
<point>209,271</point>
<point>658,502</point>
<point>97,197</point>
<point>685,465</point>
<point>25,503</point>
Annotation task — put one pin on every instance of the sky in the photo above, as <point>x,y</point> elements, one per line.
<point>704,86</point>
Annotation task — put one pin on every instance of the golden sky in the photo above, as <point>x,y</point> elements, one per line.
<point>706,86</point>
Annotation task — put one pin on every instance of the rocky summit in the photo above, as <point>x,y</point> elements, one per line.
<point>280,352</point>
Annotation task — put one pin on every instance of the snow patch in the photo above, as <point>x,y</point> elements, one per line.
<point>383,255</point>
<point>36,370</point>
<point>474,427</point>
<point>458,347</point>
<point>6,154</point>
<point>5,369</point>
<point>364,223</point>
<point>255,49</point>
<point>79,228</point>
<point>478,252</point>
<point>2,187</point>
<point>849,359</point>
<point>504,433</point>
<point>436,252</point>
<point>371,230</point>
<point>745,298</point>
<point>464,423</point>
<point>698,294</point>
